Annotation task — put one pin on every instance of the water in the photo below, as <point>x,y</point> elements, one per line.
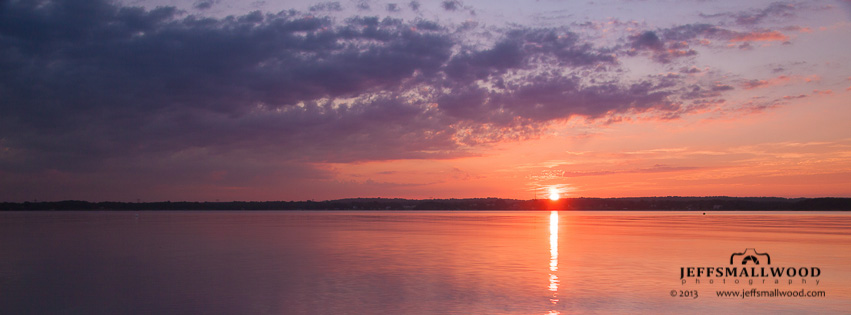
<point>411,262</point>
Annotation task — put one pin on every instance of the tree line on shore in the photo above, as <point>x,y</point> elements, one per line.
<point>639,203</point>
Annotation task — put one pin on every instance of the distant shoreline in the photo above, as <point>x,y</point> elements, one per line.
<point>470,204</point>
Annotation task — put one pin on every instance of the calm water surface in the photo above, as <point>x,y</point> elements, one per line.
<point>410,262</point>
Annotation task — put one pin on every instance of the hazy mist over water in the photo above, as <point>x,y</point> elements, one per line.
<point>415,262</point>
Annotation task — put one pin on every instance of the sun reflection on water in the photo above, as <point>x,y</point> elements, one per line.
<point>554,259</point>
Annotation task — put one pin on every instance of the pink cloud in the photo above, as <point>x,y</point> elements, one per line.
<point>753,84</point>
<point>760,36</point>
<point>780,80</point>
<point>800,29</point>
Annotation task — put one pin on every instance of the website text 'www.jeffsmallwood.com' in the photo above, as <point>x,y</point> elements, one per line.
<point>754,293</point>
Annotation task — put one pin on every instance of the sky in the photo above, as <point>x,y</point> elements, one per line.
<point>205,100</point>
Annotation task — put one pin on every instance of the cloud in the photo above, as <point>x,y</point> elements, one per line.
<point>414,5</point>
<point>754,84</point>
<point>168,75</point>
<point>669,44</point>
<point>691,70</point>
<point>89,84</point>
<point>755,105</point>
<point>658,168</point>
<point>326,6</point>
<point>647,40</point>
<point>690,32</point>
<point>675,42</point>
<point>450,5</point>
<point>204,4</point>
<point>760,36</point>
<point>774,11</point>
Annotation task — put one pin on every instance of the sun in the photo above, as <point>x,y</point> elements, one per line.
<point>553,194</point>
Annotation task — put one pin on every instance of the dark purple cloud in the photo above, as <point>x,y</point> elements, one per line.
<point>326,6</point>
<point>88,85</point>
<point>203,4</point>
<point>690,70</point>
<point>669,44</point>
<point>647,40</point>
<point>451,5</point>
<point>414,5</point>
<point>663,52</point>
<point>471,66</point>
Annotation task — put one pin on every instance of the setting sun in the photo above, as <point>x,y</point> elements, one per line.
<point>553,194</point>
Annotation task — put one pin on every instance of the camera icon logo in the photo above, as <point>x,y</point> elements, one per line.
<point>750,255</point>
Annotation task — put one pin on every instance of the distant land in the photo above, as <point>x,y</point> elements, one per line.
<point>638,203</point>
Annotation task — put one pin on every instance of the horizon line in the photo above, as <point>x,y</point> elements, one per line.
<point>424,199</point>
